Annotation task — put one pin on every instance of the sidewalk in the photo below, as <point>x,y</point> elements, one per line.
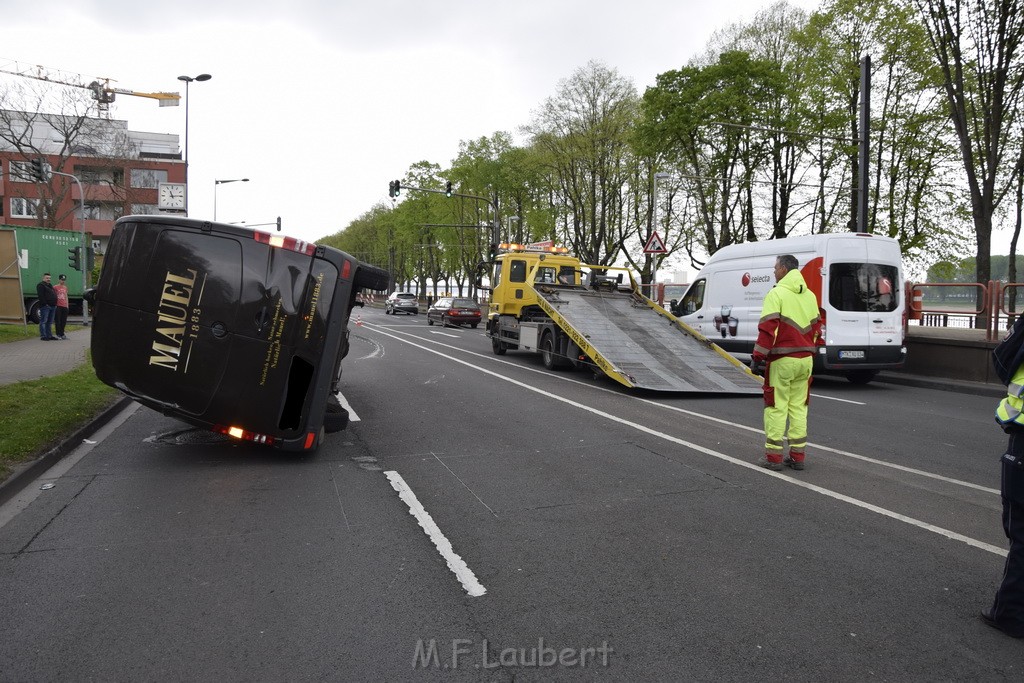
<point>34,358</point>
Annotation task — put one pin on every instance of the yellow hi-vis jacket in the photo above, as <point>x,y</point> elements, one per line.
<point>1008,412</point>
<point>790,320</point>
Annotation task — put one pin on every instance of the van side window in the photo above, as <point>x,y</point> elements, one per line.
<point>517,271</point>
<point>863,287</point>
<point>694,298</point>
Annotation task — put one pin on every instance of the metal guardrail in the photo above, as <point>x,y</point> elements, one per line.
<point>991,307</point>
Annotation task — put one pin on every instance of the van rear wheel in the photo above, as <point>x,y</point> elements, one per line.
<point>861,376</point>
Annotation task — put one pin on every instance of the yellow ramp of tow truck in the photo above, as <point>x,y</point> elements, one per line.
<point>646,348</point>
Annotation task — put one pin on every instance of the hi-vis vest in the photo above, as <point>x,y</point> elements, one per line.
<point>1009,409</point>
<point>790,320</point>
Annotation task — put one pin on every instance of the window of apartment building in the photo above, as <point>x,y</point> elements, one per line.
<point>103,211</point>
<point>22,207</point>
<point>148,177</point>
<point>20,172</point>
<point>98,175</point>
<point>146,210</point>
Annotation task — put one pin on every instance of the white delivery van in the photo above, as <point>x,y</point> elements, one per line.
<point>857,277</point>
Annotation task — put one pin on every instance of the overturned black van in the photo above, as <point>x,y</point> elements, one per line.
<point>235,330</point>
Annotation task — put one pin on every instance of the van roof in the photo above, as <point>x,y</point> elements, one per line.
<point>790,245</point>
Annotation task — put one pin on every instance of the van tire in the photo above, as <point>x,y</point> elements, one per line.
<point>335,422</point>
<point>861,376</point>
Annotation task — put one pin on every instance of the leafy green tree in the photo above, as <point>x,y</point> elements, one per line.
<point>582,137</point>
<point>977,45</point>
<point>704,121</point>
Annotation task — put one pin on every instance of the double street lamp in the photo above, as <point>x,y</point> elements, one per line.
<point>187,80</point>
<point>221,182</point>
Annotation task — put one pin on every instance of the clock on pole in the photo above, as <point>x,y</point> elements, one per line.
<point>171,196</point>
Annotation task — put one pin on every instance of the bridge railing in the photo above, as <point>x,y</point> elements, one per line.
<point>992,307</point>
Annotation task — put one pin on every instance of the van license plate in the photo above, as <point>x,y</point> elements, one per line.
<point>851,355</point>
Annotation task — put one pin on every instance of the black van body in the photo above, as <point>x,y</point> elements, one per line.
<point>231,329</point>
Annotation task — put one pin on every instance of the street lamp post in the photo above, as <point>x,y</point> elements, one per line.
<point>654,257</point>
<point>187,80</point>
<point>221,182</point>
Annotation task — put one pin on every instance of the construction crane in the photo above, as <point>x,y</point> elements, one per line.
<point>100,88</point>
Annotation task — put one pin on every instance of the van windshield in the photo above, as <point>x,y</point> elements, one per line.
<point>863,287</point>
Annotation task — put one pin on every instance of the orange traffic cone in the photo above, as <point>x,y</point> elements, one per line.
<point>359,319</point>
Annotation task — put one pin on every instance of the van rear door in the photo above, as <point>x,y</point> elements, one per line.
<point>864,312</point>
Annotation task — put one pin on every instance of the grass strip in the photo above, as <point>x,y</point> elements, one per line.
<point>18,332</point>
<point>39,413</point>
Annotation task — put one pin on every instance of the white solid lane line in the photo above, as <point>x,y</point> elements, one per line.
<point>458,566</point>
<point>756,430</point>
<point>352,416</point>
<point>721,456</point>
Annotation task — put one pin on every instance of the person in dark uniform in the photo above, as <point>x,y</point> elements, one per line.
<point>1007,610</point>
<point>47,305</point>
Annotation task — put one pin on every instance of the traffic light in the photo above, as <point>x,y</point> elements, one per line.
<point>75,258</point>
<point>279,224</point>
<point>493,251</point>
<point>90,258</point>
<point>391,189</point>
<point>448,189</point>
<point>398,187</point>
<point>38,170</point>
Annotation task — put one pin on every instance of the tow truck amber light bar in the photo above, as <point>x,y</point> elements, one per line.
<point>513,247</point>
<point>281,242</point>
<point>244,435</point>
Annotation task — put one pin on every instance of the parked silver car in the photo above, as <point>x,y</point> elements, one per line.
<point>402,302</point>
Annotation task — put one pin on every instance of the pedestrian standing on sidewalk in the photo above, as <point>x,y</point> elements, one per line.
<point>47,303</point>
<point>60,318</point>
<point>786,337</point>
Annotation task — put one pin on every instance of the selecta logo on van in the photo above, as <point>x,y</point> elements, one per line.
<point>748,279</point>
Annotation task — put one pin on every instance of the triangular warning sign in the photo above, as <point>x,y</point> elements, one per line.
<point>655,245</point>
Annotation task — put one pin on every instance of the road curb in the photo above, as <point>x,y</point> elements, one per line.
<point>25,474</point>
<point>942,384</point>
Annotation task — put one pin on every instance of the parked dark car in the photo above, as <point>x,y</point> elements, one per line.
<point>454,311</point>
<point>402,302</point>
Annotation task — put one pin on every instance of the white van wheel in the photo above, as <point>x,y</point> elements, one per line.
<point>861,376</point>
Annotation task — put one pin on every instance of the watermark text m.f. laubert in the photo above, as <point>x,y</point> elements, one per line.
<point>464,653</point>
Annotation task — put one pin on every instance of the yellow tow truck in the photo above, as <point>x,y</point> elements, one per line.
<point>575,315</point>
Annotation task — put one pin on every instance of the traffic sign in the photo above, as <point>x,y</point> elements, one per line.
<point>655,245</point>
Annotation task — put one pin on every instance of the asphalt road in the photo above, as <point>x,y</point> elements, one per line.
<point>575,531</point>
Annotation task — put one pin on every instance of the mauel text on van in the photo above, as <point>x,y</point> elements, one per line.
<point>172,319</point>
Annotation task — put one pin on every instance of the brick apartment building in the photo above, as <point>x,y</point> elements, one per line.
<point>120,172</point>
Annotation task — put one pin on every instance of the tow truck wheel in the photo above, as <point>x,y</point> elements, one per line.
<point>498,348</point>
<point>547,352</point>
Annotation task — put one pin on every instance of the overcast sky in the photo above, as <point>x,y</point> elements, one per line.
<point>321,102</point>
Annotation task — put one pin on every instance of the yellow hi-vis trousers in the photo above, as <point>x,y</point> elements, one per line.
<point>786,393</point>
